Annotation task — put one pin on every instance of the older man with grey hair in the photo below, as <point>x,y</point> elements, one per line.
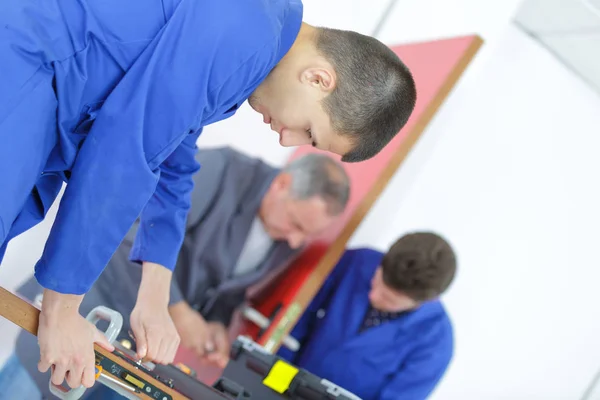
<point>247,219</point>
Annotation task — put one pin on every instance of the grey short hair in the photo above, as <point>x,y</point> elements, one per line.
<point>320,175</point>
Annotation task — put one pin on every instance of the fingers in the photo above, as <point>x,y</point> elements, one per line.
<point>205,349</point>
<point>199,348</point>
<point>58,373</point>
<point>75,371</point>
<point>156,342</point>
<point>217,346</point>
<point>89,377</point>
<point>169,344</point>
<point>222,361</point>
<point>76,375</point>
<point>221,339</point>
<point>157,347</point>
<point>209,346</point>
<point>155,334</point>
<point>140,340</point>
<point>218,359</point>
<point>46,361</point>
<point>67,348</point>
<point>203,345</point>
<point>43,365</point>
<point>172,350</point>
<point>222,356</point>
<point>223,346</point>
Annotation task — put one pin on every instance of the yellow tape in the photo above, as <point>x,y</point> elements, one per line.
<point>280,377</point>
<point>131,379</point>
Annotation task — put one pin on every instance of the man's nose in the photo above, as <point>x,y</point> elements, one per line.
<point>295,240</point>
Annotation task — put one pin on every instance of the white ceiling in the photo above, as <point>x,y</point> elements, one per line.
<point>568,28</point>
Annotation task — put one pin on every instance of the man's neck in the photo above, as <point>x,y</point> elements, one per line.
<point>393,312</point>
<point>303,48</point>
<point>304,41</point>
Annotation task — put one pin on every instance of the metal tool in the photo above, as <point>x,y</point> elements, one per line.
<point>263,322</point>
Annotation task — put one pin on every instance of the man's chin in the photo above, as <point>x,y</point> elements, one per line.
<point>253,103</point>
<point>281,142</point>
<point>374,304</point>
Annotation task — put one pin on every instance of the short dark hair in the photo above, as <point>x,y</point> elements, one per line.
<point>320,175</point>
<point>375,92</point>
<point>420,265</point>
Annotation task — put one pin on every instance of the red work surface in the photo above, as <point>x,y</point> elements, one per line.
<point>432,64</point>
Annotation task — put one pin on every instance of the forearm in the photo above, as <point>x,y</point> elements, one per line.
<point>54,303</point>
<point>156,283</point>
<point>178,308</point>
<point>155,334</point>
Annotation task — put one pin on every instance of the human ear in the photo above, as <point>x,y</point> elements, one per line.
<point>322,78</point>
<point>283,182</point>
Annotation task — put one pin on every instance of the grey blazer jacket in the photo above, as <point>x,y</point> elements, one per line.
<point>226,198</point>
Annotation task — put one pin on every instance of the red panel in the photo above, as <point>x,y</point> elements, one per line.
<point>281,292</point>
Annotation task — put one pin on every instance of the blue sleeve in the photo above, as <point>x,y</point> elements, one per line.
<point>421,373</point>
<point>162,223</point>
<point>181,80</point>
<point>301,330</point>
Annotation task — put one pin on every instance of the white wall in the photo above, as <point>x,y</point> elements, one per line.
<point>506,171</point>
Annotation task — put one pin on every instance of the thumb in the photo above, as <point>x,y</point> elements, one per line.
<point>100,339</point>
<point>223,361</point>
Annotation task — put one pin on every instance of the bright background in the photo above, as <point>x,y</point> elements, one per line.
<point>507,171</point>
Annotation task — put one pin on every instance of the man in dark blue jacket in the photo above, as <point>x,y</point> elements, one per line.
<point>376,327</point>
